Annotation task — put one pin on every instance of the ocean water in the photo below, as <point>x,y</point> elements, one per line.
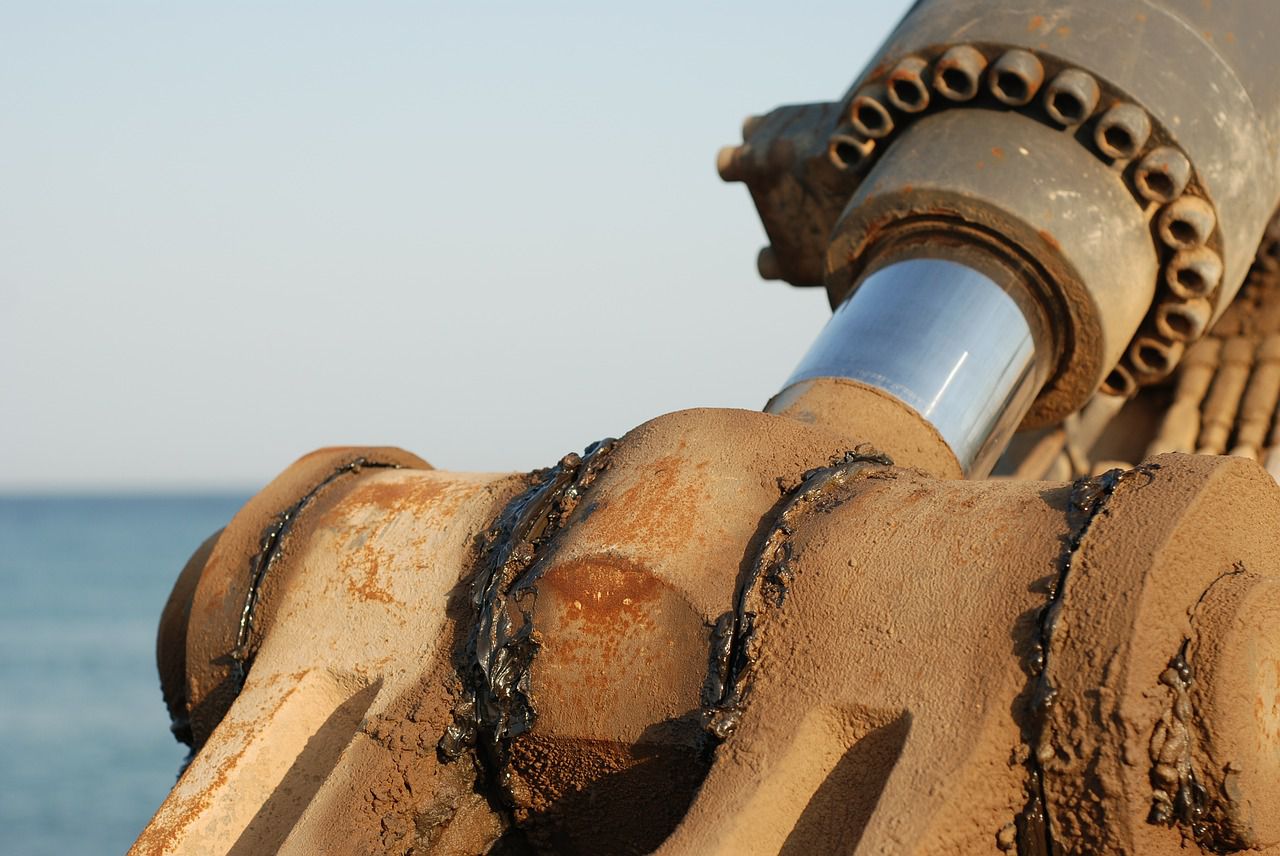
<point>85,750</point>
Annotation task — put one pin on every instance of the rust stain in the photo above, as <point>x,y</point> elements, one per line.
<point>1036,23</point>
<point>881,69</point>
<point>997,152</point>
<point>604,591</point>
<point>367,588</point>
<point>418,494</point>
<point>1064,31</point>
<point>161,835</point>
<point>1049,239</point>
<point>654,510</point>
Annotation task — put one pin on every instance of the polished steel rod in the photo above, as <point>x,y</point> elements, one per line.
<point>945,340</point>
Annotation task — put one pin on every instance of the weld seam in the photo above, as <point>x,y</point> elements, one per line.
<point>1088,500</point>
<point>496,704</point>
<point>737,634</point>
<point>270,546</point>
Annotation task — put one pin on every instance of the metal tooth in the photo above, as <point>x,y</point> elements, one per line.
<point>767,264</point>
<point>1259,404</point>
<point>1015,77</point>
<point>1219,412</point>
<point>1163,174</point>
<point>1181,423</point>
<point>958,73</point>
<point>1071,97</point>
<point>847,151</point>
<point>868,115</point>
<point>1186,223</point>
<point>1193,273</point>
<point>1122,131</point>
<point>1154,358</point>
<point>1183,320</point>
<point>907,89</point>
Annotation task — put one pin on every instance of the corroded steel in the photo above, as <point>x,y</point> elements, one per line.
<point>802,631</point>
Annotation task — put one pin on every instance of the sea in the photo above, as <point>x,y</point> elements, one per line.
<point>86,755</point>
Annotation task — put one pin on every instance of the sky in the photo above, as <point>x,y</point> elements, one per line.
<point>489,233</point>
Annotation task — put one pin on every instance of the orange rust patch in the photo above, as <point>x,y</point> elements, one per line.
<point>997,152</point>
<point>603,591</point>
<point>161,834</point>
<point>1048,238</point>
<point>418,494</point>
<point>1064,31</point>
<point>881,68</point>
<point>367,588</point>
<point>653,511</point>
<point>1036,23</point>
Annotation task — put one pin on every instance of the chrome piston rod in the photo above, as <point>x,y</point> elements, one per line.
<point>944,339</point>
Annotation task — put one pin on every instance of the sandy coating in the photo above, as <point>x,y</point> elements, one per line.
<point>1128,608</point>
<point>330,747</point>
<point>935,665</point>
<point>879,420</point>
<point>895,669</point>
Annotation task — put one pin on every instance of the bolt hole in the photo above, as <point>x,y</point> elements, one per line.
<point>1191,280</point>
<point>1120,140</point>
<point>957,82</point>
<point>848,154</point>
<point>1069,107</point>
<point>1154,358</point>
<point>1011,86</point>
<point>908,93</point>
<point>1119,383</point>
<point>1159,185</point>
<point>1179,323</point>
<point>871,118</point>
<point>1183,232</point>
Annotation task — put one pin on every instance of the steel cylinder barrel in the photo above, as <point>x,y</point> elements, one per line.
<point>1120,155</point>
<point>945,339</point>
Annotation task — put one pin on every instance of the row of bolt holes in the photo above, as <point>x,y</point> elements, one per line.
<point>1184,225</point>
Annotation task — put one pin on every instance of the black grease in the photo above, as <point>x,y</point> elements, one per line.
<point>1088,499</point>
<point>270,545</point>
<point>736,639</point>
<point>713,688</point>
<point>1032,827</point>
<point>1178,797</point>
<point>496,705</point>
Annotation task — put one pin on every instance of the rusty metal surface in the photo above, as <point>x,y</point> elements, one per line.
<point>799,631</point>
<point>331,742</point>
<point>887,661</point>
<point>1197,151</point>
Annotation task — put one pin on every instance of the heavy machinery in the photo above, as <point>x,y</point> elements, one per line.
<point>864,620</point>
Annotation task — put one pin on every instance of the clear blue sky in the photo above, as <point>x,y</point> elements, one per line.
<point>489,232</point>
